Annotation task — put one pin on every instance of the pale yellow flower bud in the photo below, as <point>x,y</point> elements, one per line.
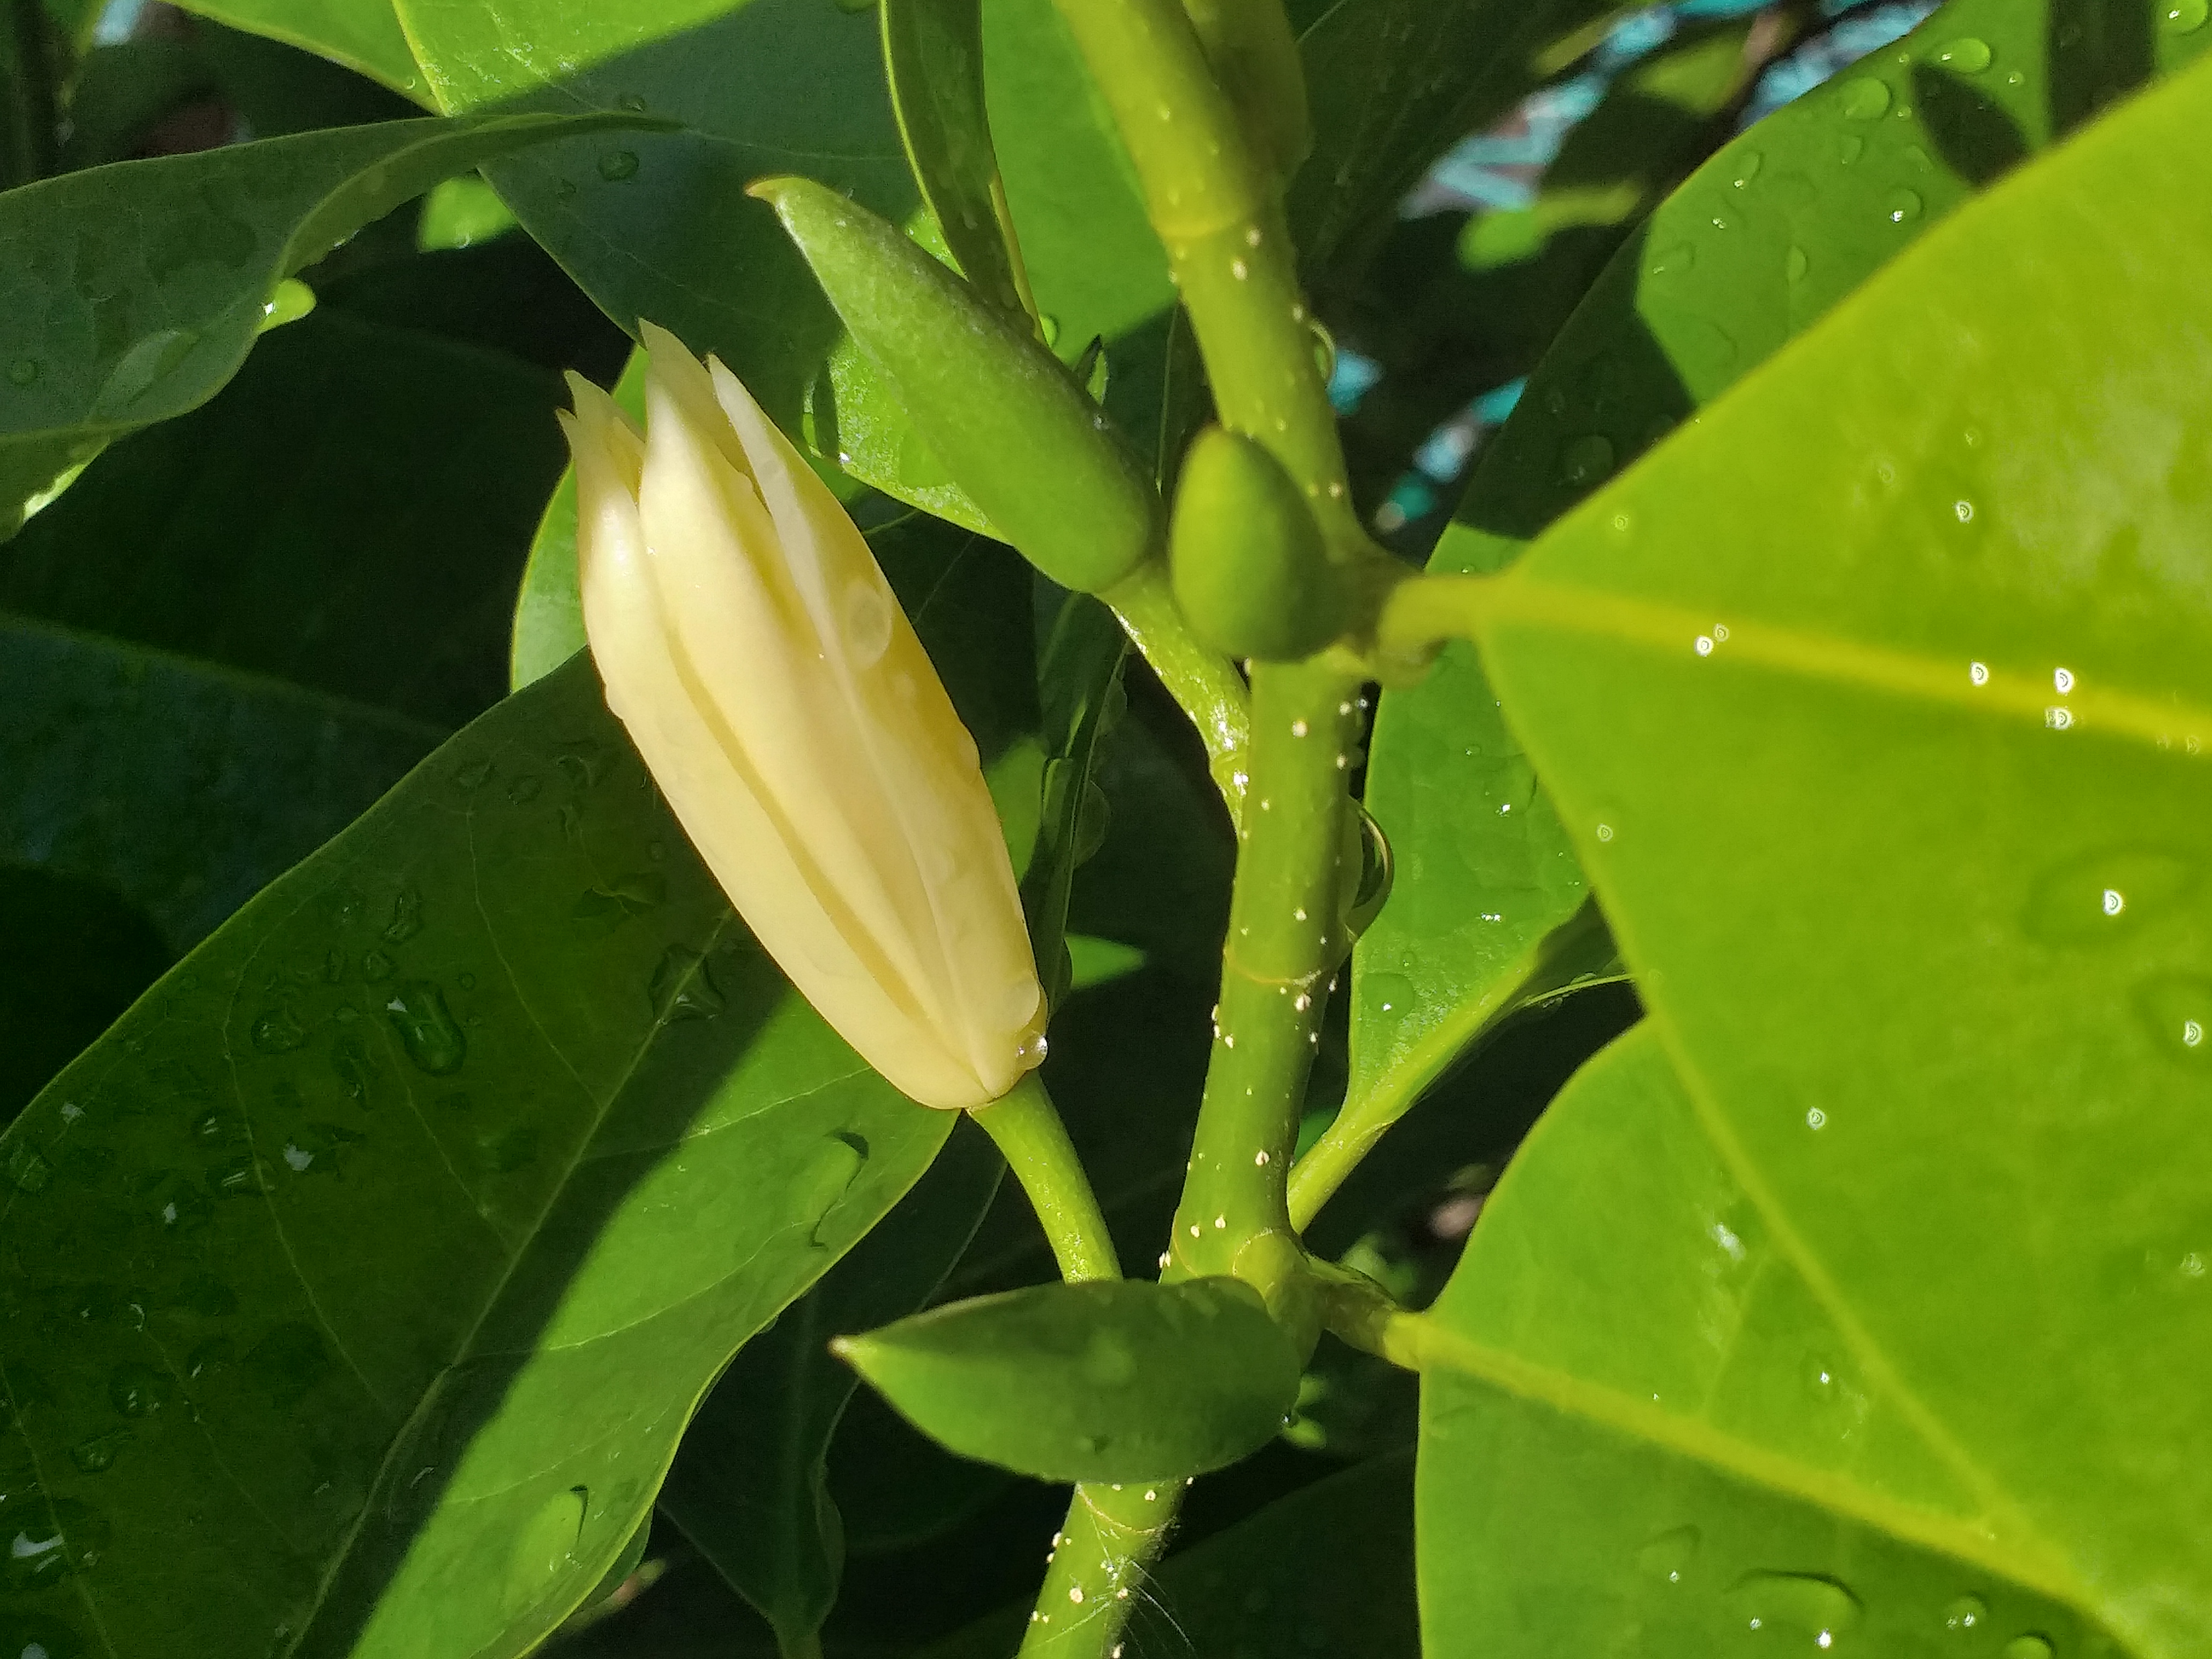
<point>750,643</point>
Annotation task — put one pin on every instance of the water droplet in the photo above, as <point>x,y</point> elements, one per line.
<point>1966,1614</point>
<point>1901,206</point>
<point>544,1549</point>
<point>2062,680</point>
<point>2182,17</point>
<point>2058,720</point>
<point>2029,1646</point>
<point>427,1029</point>
<point>51,1542</point>
<point>1585,461</point>
<point>276,1032</point>
<point>29,1171</point>
<point>148,361</point>
<point>2178,1010</point>
<point>94,1456</point>
<point>472,775</point>
<point>1801,1603</point>
<point>1865,97</point>
<point>617,165</point>
<point>1108,1360</point>
<point>1668,1556</point>
<point>1967,55</point>
<point>139,1390</point>
<point>1746,167</point>
<point>1795,264</point>
<point>1849,147</point>
<point>523,791</point>
<point>289,301</point>
<point>1670,260</point>
<point>23,371</point>
<point>683,986</point>
<point>632,102</point>
<point>1979,672</point>
<point>868,623</point>
<point>822,1182</point>
<point>407,916</point>
<point>2100,897</point>
<point>1702,645</point>
<point>1963,511</point>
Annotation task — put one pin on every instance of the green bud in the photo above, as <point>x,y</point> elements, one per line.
<point>1251,573</point>
<point>1009,422</point>
<point>1254,59</point>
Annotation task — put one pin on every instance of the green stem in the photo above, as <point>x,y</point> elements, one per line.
<point>1028,1129</point>
<point>1205,684</point>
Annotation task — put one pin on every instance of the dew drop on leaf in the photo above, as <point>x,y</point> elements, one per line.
<point>617,165</point>
<point>545,1548</point>
<point>1801,1603</point>
<point>427,1032</point>
<point>1586,460</point>
<point>2100,897</point>
<point>1667,1557</point>
<point>822,1182</point>
<point>1865,98</point>
<point>22,371</point>
<point>276,1032</point>
<point>1967,55</point>
<point>2177,1010</point>
<point>1965,1615</point>
<point>2029,1646</point>
<point>2182,17</point>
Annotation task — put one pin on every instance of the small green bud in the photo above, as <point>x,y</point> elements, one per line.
<point>1251,573</point>
<point>1254,57</point>
<point>1009,423</point>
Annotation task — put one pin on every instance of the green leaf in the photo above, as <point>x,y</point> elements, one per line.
<point>180,786</point>
<point>1079,679</point>
<point>140,287</point>
<point>1899,830</point>
<point>933,60</point>
<point>364,35</point>
<point>1324,1571</point>
<point>748,1486</point>
<point>1114,1380</point>
<point>250,532</point>
<point>1763,240</point>
<point>395,1233</point>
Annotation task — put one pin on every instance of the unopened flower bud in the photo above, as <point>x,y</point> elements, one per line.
<point>749,643</point>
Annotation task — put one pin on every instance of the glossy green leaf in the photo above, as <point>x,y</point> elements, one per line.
<point>748,1485</point>
<point>395,1233</point>
<point>1899,830</point>
<point>933,60</point>
<point>249,532</point>
<point>181,787</point>
<point>1113,1380</point>
<point>1324,1571</point>
<point>364,35</point>
<point>1780,225</point>
<point>138,289</point>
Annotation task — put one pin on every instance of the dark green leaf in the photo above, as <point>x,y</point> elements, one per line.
<point>138,289</point>
<point>182,788</point>
<point>1112,1381</point>
<point>933,59</point>
<point>1900,827</point>
<point>1079,676</point>
<point>252,532</point>
<point>393,1236</point>
<point>748,1487</point>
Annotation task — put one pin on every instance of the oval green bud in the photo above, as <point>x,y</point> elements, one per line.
<point>1254,57</point>
<point>1007,420</point>
<point>1249,569</point>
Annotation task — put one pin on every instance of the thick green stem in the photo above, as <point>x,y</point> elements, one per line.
<point>1205,684</point>
<point>1098,1561</point>
<point>1026,1126</point>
